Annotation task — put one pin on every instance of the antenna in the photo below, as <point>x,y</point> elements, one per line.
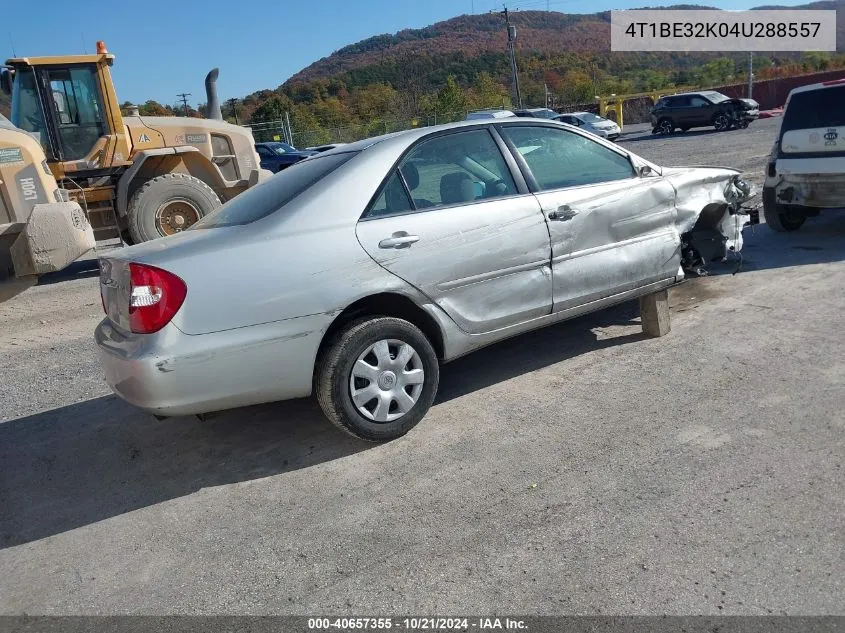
<point>14,54</point>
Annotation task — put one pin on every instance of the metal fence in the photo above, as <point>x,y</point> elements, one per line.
<point>281,131</point>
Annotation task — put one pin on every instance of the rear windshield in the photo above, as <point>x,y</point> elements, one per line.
<point>261,201</point>
<point>816,108</point>
<point>715,97</point>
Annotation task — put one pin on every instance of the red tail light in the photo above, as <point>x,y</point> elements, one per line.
<point>155,297</point>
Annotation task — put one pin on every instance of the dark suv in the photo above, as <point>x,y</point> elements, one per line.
<point>702,109</point>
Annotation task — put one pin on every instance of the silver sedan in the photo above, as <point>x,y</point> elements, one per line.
<point>354,273</point>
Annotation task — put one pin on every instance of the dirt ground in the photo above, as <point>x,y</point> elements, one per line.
<point>580,469</point>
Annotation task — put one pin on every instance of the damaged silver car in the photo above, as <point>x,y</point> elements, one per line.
<point>355,273</point>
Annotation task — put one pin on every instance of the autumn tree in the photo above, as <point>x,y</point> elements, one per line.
<point>154,108</point>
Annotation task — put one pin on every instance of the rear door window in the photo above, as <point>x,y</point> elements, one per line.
<point>447,170</point>
<point>259,202</point>
<point>815,109</point>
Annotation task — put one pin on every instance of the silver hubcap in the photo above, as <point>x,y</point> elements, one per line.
<point>721,122</point>
<point>387,380</point>
<point>666,127</point>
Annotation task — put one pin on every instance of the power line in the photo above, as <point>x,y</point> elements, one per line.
<point>184,96</point>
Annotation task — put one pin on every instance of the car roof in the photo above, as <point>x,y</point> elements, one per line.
<point>819,86</point>
<point>410,136</point>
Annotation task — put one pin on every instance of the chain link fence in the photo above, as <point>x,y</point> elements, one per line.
<point>279,131</point>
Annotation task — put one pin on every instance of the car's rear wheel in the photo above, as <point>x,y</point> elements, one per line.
<point>664,126</point>
<point>721,122</point>
<point>377,378</point>
<point>780,217</point>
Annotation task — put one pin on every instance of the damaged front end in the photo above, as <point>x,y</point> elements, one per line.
<point>713,209</point>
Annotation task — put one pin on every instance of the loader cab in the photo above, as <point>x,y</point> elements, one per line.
<point>69,105</point>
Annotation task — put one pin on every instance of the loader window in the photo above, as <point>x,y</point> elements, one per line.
<point>79,112</point>
<point>26,109</point>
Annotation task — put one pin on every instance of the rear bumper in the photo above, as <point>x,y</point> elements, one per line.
<point>173,373</point>
<point>826,191</point>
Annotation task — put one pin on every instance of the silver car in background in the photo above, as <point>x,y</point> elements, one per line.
<point>592,123</point>
<point>355,273</point>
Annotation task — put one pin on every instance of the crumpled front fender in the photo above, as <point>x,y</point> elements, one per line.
<point>711,217</point>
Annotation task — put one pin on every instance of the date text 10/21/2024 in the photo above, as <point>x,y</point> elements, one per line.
<point>416,624</point>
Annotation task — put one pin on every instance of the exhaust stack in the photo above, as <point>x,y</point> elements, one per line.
<point>212,107</point>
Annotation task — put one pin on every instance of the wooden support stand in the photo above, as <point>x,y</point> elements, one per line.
<point>654,310</point>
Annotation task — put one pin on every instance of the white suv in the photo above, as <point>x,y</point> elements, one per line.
<point>806,169</point>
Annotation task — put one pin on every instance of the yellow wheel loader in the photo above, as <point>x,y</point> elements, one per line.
<point>70,159</point>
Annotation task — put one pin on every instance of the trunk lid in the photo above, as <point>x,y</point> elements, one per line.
<point>167,253</point>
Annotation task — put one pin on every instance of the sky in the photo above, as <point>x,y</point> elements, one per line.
<point>164,48</point>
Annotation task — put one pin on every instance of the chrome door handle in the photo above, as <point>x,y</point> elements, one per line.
<point>563,213</point>
<point>399,240</point>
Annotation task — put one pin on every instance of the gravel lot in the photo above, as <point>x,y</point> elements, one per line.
<point>577,469</point>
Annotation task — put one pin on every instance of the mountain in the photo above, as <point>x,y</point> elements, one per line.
<point>466,37</point>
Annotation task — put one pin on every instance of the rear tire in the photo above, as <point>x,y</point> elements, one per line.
<point>168,204</point>
<point>780,217</point>
<point>364,358</point>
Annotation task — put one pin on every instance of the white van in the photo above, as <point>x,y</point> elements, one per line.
<point>806,169</point>
<point>489,114</point>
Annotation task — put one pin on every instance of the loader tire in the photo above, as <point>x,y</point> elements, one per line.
<point>167,205</point>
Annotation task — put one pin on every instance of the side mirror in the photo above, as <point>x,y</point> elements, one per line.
<point>6,76</point>
<point>644,170</point>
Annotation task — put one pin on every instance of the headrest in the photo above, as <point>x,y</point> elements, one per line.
<point>456,187</point>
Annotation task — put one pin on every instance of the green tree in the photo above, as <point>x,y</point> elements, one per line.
<point>273,109</point>
<point>451,102</point>
<point>488,93</point>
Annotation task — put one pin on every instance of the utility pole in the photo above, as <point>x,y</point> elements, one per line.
<point>546,89</point>
<point>184,96</point>
<point>750,74</point>
<point>512,55</point>
<point>233,103</point>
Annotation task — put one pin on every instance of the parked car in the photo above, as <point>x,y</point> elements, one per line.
<point>323,148</point>
<point>489,114</point>
<point>276,156</point>
<point>537,113</point>
<point>592,123</point>
<point>355,273</point>
<point>806,168</point>
<point>702,109</point>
